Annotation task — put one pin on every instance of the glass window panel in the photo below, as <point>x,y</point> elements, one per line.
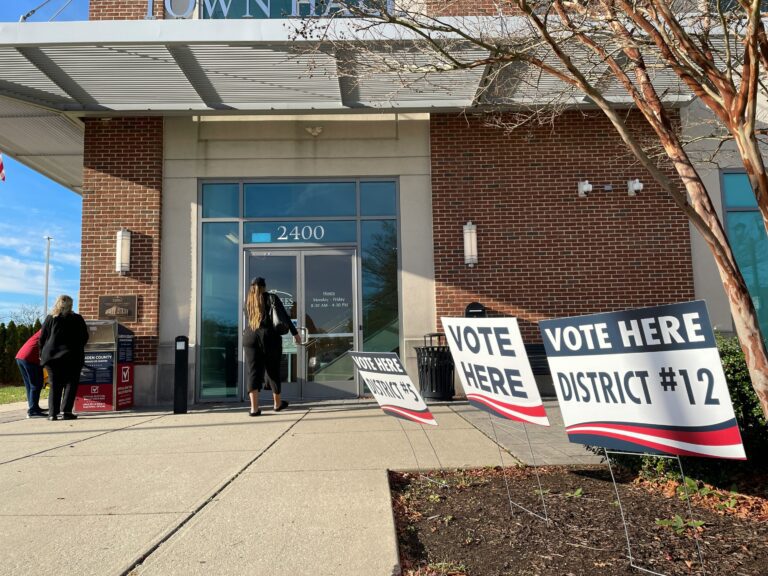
<point>738,192</point>
<point>221,201</point>
<point>300,199</point>
<point>749,242</point>
<point>378,199</point>
<point>304,232</point>
<point>378,245</point>
<point>329,316</point>
<point>219,310</point>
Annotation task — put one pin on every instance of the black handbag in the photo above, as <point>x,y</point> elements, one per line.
<point>278,323</point>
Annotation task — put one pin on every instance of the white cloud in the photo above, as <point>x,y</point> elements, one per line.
<point>71,258</point>
<point>21,277</point>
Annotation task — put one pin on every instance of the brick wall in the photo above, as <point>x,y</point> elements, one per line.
<point>543,251</point>
<point>122,187</point>
<point>123,9</point>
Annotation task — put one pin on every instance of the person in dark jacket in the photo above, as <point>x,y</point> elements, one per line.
<point>28,360</point>
<point>262,345</point>
<point>62,352</point>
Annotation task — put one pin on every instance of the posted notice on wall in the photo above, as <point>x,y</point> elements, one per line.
<point>490,357</point>
<point>646,380</point>
<point>390,385</point>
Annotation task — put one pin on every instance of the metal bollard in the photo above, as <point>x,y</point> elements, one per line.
<point>181,375</point>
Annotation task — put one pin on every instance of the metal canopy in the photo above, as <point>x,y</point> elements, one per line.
<point>56,72</point>
<point>208,66</point>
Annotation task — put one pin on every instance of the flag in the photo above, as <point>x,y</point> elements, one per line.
<point>2,168</point>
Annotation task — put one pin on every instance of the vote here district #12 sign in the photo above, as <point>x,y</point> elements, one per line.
<point>390,385</point>
<point>646,380</point>
<point>490,357</point>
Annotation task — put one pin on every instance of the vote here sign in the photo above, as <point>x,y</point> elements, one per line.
<point>645,380</point>
<point>490,357</point>
<point>390,385</point>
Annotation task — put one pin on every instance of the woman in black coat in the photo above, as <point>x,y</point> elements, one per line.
<point>62,352</point>
<point>262,345</point>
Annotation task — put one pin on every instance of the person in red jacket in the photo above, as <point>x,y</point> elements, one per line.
<point>28,360</point>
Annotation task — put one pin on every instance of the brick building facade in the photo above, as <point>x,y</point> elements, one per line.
<point>543,250</point>
<point>122,188</point>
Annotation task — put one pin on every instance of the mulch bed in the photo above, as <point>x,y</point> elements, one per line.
<point>460,523</point>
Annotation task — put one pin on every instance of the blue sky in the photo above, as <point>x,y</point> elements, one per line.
<point>32,206</point>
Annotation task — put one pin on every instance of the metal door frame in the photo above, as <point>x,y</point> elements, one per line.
<point>300,253</point>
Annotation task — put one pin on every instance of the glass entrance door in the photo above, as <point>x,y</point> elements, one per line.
<point>317,288</point>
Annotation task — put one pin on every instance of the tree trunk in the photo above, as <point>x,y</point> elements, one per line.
<point>748,331</point>
<point>742,310</point>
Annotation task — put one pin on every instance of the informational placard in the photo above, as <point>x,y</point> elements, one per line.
<point>490,358</point>
<point>124,386</point>
<point>645,380</point>
<point>120,308</point>
<point>98,368</point>
<point>94,398</point>
<point>125,339</point>
<point>95,393</point>
<point>390,385</point>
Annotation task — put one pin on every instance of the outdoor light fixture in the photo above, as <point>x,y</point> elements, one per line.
<point>584,188</point>
<point>470,244</point>
<point>123,251</point>
<point>634,186</point>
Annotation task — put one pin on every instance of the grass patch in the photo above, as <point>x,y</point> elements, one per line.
<point>10,394</point>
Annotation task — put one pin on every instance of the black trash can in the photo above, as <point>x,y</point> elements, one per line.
<point>435,368</point>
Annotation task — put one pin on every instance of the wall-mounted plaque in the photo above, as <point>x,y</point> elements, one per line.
<point>120,308</point>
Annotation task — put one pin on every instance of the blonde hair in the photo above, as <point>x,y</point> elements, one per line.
<point>254,305</point>
<point>63,306</point>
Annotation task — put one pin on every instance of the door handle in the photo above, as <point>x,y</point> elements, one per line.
<point>304,334</point>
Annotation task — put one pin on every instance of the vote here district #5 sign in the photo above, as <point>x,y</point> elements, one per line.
<point>646,380</point>
<point>390,385</point>
<point>490,357</point>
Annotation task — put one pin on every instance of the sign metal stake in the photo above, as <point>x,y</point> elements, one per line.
<point>535,469</point>
<point>504,470</point>
<point>411,445</point>
<point>444,483</point>
<point>623,517</point>
<point>690,513</point>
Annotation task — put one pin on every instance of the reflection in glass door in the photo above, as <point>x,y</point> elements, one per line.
<point>318,290</point>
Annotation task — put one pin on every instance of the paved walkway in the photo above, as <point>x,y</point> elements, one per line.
<point>550,444</point>
<point>303,491</point>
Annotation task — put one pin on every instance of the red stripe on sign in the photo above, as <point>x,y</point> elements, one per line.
<point>664,448</point>
<point>536,411</point>
<point>724,437</point>
<point>422,417</point>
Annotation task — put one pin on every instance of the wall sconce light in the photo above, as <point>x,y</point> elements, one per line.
<point>584,188</point>
<point>314,131</point>
<point>123,251</point>
<point>634,186</point>
<point>470,244</point>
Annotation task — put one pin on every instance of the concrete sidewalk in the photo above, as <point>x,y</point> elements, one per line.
<point>548,445</point>
<point>303,491</point>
